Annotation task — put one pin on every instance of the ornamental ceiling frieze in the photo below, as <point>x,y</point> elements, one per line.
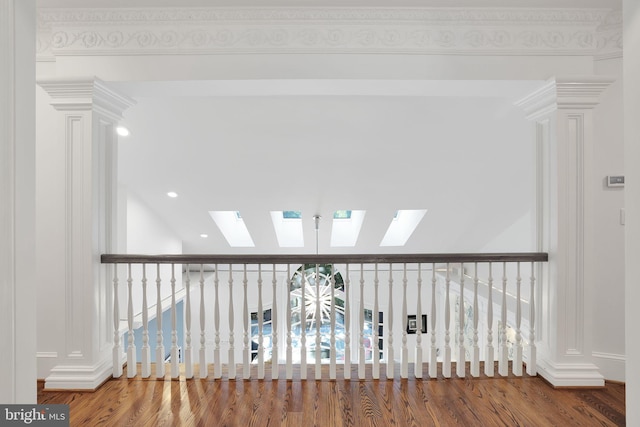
<point>501,31</point>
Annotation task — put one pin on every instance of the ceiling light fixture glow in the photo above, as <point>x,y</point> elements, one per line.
<point>122,131</point>
<point>204,236</point>
<point>172,194</point>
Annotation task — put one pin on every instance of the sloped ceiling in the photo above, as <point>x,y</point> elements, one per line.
<point>468,160</point>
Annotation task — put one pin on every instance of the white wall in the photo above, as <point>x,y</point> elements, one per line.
<point>322,66</point>
<point>631,72</point>
<point>146,234</point>
<point>608,234</point>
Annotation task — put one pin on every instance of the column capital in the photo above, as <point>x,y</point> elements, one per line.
<point>575,92</point>
<point>86,93</point>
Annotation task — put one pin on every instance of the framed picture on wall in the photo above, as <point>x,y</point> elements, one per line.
<point>412,324</point>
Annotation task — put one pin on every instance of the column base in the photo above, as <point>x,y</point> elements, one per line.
<point>570,374</point>
<point>78,377</point>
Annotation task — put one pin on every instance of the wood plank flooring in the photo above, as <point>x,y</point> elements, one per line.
<point>509,401</point>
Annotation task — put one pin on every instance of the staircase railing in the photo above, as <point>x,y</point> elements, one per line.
<point>360,313</point>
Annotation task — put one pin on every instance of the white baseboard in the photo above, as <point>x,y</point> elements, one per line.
<point>78,377</point>
<point>46,360</point>
<point>570,374</point>
<point>612,366</point>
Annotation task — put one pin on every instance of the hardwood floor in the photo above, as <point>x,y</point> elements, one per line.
<point>510,401</point>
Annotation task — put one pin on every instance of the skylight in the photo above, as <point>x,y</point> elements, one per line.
<point>402,226</point>
<point>233,228</point>
<point>342,215</point>
<point>345,228</point>
<point>288,228</point>
<point>291,214</point>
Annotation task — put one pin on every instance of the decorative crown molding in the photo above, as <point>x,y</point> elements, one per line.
<point>319,30</point>
<point>579,92</point>
<point>71,94</point>
<point>609,36</point>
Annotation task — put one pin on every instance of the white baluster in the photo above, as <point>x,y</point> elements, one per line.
<point>460,364</point>
<point>362,354</point>
<point>503,363</point>
<point>332,356</point>
<point>246,352</point>
<point>117,350</point>
<point>433,354</point>
<point>404,363</point>
<point>303,326</point>
<point>217,359</point>
<point>475,359</point>
<point>232,357</point>
<point>531,363</point>
<point>376,337</point>
<point>160,367</point>
<point>132,364</point>
<point>146,351</point>
<point>489,360</point>
<point>332,351</point>
<point>347,325</point>
<point>318,316</point>
<point>260,327</point>
<point>175,367</point>
<point>517,359</point>
<point>418,361</point>
<point>289,368</point>
<point>446,363</point>
<point>203,340</point>
<point>188,352</point>
<point>274,328</point>
<point>391,371</point>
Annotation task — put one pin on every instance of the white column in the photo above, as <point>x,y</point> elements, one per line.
<point>17,202</point>
<point>563,114</point>
<point>87,114</point>
<point>631,75</point>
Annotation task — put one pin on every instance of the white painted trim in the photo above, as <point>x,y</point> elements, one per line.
<point>563,112</point>
<point>8,312</point>
<point>570,374</point>
<point>47,354</point>
<point>87,111</point>
<point>78,377</point>
<point>17,203</point>
<point>467,31</point>
<point>86,93</point>
<point>612,366</point>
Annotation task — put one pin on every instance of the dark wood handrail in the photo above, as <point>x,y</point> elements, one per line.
<point>325,258</point>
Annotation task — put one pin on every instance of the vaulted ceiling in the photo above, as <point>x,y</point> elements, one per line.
<point>467,160</point>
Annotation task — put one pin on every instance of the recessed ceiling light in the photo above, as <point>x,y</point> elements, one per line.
<point>172,194</point>
<point>204,236</point>
<point>122,131</point>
